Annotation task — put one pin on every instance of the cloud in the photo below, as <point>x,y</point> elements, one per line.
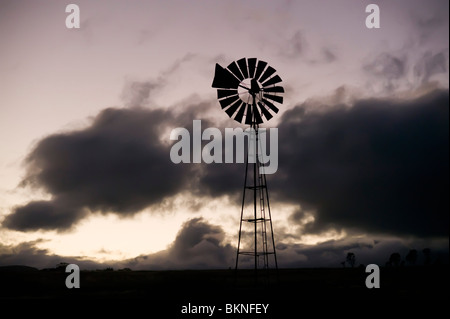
<point>387,69</point>
<point>28,254</point>
<point>45,215</point>
<point>429,65</point>
<point>387,66</point>
<point>118,164</point>
<point>136,93</point>
<point>298,46</point>
<point>295,46</point>
<point>380,166</point>
<point>430,23</point>
<point>197,245</point>
<point>329,55</point>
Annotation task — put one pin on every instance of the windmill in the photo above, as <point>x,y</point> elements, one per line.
<point>247,90</point>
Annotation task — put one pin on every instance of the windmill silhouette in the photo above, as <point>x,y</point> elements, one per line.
<point>247,88</point>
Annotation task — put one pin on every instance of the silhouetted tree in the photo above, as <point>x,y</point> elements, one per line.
<point>351,259</point>
<point>395,259</point>
<point>343,264</point>
<point>411,257</point>
<point>427,254</point>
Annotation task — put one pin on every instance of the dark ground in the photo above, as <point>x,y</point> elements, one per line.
<point>173,289</point>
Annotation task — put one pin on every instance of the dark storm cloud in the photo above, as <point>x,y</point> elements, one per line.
<point>221,179</point>
<point>118,164</point>
<point>379,166</point>
<point>198,244</point>
<point>44,215</point>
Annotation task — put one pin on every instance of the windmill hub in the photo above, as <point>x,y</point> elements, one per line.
<point>248,90</point>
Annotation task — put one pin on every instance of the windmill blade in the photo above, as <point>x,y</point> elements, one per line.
<point>258,118</point>
<point>267,73</point>
<point>235,70</point>
<point>260,68</point>
<point>243,66</point>
<point>274,80</point>
<point>232,109</point>
<point>275,98</point>
<point>240,113</point>
<point>225,93</point>
<point>275,89</point>
<point>226,102</point>
<point>270,105</point>
<point>224,79</point>
<point>264,111</point>
<point>251,67</point>
<point>249,116</point>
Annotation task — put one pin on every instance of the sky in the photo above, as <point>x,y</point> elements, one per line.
<point>86,116</point>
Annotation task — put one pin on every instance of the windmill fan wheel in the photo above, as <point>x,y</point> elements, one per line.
<point>248,88</point>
